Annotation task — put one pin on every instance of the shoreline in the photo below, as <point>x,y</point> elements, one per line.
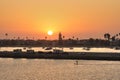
<point>64,55</point>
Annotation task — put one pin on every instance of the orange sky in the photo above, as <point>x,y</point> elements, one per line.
<point>79,18</point>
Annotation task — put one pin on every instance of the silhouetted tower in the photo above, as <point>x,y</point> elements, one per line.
<point>60,39</point>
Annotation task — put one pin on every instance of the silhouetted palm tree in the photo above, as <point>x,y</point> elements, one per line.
<point>63,37</point>
<point>6,34</point>
<point>73,37</point>
<point>18,38</point>
<point>107,36</point>
<point>113,38</point>
<point>45,37</point>
<point>77,39</point>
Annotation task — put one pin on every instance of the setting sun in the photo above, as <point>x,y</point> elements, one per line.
<point>50,32</point>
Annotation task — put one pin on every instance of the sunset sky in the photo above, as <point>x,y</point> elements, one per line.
<point>79,18</point>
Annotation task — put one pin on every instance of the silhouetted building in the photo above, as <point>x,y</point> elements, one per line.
<point>60,41</point>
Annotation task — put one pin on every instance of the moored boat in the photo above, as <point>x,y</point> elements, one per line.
<point>48,48</point>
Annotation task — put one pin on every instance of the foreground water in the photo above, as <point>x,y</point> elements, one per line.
<point>45,69</point>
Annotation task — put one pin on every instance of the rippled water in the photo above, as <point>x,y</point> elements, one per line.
<point>46,69</point>
<point>41,69</point>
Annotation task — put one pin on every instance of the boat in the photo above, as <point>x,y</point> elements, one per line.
<point>57,51</point>
<point>48,48</point>
<point>29,47</point>
<point>71,48</point>
<point>86,48</point>
<point>30,51</point>
<point>17,51</point>
<point>117,48</point>
<point>43,47</point>
<point>24,48</point>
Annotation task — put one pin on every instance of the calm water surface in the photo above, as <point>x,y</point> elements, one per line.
<point>46,69</point>
<point>41,69</point>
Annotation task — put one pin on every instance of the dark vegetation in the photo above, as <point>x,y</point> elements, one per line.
<point>108,41</point>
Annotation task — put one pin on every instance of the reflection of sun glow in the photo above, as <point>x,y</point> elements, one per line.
<point>50,32</point>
